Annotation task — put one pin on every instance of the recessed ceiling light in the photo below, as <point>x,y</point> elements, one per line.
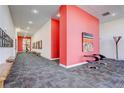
<point>113,14</point>
<point>58,15</point>
<point>28,28</point>
<point>35,11</point>
<point>30,22</point>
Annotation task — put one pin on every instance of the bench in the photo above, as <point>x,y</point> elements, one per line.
<point>36,53</point>
<point>5,70</point>
<point>10,60</point>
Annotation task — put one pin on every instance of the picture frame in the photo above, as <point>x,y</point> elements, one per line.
<point>40,44</point>
<point>5,40</point>
<point>33,45</point>
<point>37,45</point>
<point>87,42</point>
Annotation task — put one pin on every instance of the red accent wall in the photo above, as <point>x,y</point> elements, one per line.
<point>63,35</point>
<point>54,38</point>
<point>20,43</point>
<point>73,22</point>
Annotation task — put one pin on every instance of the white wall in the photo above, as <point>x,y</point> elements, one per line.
<point>44,34</point>
<point>107,44</point>
<point>6,24</point>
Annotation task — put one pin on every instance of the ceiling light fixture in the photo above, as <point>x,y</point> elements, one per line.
<point>35,11</point>
<point>58,15</point>
<point>28,28</point>
<point>30,22</point>
<point>113,14</point>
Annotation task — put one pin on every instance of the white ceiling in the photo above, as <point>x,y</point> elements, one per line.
<point>98,10</point>
<point>23,13</point>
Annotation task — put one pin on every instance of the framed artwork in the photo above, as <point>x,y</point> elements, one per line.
<point>33,45</point>
<point>5,40</point>
<point>37,45</point>
<point>40,44</point>
<point>1,40</point>
<point>87,42</point>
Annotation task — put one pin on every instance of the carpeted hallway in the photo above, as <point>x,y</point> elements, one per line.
<point>37,72</point>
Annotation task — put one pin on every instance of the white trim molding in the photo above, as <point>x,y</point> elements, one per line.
<point>73,65</point>
<point>54,58</point>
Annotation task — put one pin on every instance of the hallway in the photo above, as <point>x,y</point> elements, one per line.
<point>32,71</point>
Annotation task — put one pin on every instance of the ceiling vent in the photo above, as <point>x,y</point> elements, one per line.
<point>106,14</point>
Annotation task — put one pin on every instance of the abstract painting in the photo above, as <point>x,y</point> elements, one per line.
<point>87,42</point>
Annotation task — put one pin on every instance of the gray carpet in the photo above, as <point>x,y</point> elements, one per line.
<point>30,71</point>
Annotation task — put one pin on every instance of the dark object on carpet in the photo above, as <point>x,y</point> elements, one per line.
<point>95,57</point>
<point>93,67</point>
<point>103,63</point>
<point>99,56</point>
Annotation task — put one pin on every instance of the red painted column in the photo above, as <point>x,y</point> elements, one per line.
<point>54,38</point>
<point>73,22</point>
<point>20,41</point>
<point>63,35</point>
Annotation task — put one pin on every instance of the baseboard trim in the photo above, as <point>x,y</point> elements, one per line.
<point>54,58</point>
<point>73,65</point>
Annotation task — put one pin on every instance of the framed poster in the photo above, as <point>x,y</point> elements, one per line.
<point>33,46</point>
<point>1,37</point>
<point>1,33</point>
<point>87,42</point>
<point>40,44</point>
<point>5,40</point>
<point>36,45</point>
